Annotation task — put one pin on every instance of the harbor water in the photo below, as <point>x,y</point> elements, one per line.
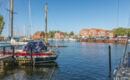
<point>77,61</point>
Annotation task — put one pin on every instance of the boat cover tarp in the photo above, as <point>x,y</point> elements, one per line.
<point>37,47</point>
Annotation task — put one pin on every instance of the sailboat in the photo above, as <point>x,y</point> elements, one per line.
<point>14,41</point>
<point>37,49</point>
<point>122,72</point>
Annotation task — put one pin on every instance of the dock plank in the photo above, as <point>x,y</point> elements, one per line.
<point>6,58</point>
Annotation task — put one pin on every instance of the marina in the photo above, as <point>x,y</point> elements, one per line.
<point>39,41</point>
<point>84,61</point>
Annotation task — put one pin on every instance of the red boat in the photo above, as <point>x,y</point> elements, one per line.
<point>47,56</point>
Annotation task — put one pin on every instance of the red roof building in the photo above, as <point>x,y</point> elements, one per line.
<point>94,32</point>
<point>59,35</point>
<point>38,35</point>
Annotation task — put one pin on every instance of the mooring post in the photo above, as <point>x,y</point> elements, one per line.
<point>3,50</point>
<point>13,51</point>
<point>109,61</point>
<point>31,57</point>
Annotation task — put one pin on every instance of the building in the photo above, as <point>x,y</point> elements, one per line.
<point>38,35</point>
<point>94,32</point>
<point>111,34</point>
<point>59,35</point>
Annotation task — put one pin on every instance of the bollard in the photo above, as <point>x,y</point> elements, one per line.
<point>31,57</point>
<point>3,50</point>
<point>109,61</point>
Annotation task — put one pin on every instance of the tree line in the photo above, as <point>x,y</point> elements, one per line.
<point>121,31</point>
<point>51,34</point>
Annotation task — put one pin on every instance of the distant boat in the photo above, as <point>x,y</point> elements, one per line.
<point>66,39</point>
<point>58,39</point>
<point>17,43</point>
<point>50,39</point>
<point>73,39</point>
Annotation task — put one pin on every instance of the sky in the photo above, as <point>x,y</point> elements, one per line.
<point>66,15</point>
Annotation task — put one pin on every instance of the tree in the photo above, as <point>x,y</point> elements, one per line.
<point>120,31</point>
<point>1,23</point>
<point>128,31</point>
<point>51,34</point>
<point>65,33</point>
<point>71,33</point>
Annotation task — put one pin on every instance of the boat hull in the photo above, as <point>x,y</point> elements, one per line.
<point>38,58</point>
<point>45,59</point>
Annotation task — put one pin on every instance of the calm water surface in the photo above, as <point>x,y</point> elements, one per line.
<point>78,61</point>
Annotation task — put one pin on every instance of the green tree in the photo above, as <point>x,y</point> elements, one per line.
<point>120,31</point>
<point>128,31</point>
<point>51,34</point>
<point>1,23</point>
<point>71,33</point>
<point>66,34</point>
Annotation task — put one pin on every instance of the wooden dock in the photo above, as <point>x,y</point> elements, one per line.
<point>25,61</point>
<point>6,58</point>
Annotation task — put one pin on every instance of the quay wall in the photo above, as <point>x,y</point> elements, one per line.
<point>120,41</point>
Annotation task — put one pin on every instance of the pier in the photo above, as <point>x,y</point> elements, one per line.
<point>9,57</point>
<point>6,58</point>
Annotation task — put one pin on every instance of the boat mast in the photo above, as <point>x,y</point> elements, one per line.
<point>46,23</point>
<point>11,18</point>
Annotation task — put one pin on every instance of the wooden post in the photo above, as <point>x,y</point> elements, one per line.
<point>13,51</point>
<point>3,50</point>
<point>11,18</point>
<point>31,57</point>
<point>109,61</point>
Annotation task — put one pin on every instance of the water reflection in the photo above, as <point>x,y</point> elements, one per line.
<point>77,61</point>
<point>38,72</point>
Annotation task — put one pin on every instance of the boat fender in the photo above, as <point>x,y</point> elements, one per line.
<point>115,71</point>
